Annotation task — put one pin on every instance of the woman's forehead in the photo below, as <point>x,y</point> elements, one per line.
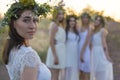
<point>60,12</point>
<point>72,18</point>
<point>28,13</point>
<point>98,18</point>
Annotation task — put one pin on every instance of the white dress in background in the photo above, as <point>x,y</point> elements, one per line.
<point>26,56</point>
<point>84,66</point>
<point>60,38</point>
<point>72,71</point>
<point>101,68</point>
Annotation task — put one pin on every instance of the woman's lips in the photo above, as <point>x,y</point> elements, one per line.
<point>31,32</point>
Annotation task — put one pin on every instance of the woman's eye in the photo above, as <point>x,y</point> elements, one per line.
<point>26,20</point>
<point>35,20</point>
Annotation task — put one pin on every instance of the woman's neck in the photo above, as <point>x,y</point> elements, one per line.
<point>59,24</point>
<point>71,29</point>
<point>85,26</point>
<point>26,43</point>
<point>97,29</point>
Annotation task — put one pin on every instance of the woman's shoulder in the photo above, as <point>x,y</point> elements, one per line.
<point>104,30</point>
<point>22,50</point>
<point>29,53</point>
<point>52,23</point>
<point>25,49</point>
<point>91,27</point>
<point>53,26</point>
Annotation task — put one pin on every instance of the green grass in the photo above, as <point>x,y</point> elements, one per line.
<point>43,55</point>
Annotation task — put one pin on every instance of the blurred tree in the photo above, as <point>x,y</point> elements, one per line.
<point>93,13</point>
<point>0,16</point>
<point>70,11</point>
<point>108,18</point>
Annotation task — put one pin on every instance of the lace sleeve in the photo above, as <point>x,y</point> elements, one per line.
<point>31,59</point>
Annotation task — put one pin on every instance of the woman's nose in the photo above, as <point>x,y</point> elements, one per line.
<point>32,25</point>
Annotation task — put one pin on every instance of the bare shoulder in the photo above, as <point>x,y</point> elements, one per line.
<point>53,26</point>
<point>78,27</point>
<point>104,31</point>
<point>90,29</point>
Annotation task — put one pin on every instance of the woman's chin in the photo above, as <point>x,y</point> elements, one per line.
<point>30,37</point>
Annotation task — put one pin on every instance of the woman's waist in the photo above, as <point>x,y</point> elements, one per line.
<point>72,42</point>
<point>97,45</point>
<point>59,43</point>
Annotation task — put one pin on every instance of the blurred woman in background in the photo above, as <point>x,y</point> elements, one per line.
<point>101,63</point>
<point>72,39</point>
<point>85,32</point>
<point>56,52</point>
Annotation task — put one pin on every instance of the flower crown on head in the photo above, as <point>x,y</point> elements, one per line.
<point>57,8</point>
<point>72,15</point>
<point>60,5</point>
<point>41,9</point>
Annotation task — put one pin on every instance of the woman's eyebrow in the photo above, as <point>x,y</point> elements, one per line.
<point>28,17</point>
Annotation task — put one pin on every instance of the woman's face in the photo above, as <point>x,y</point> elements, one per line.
<point>26,25</point>
<point>97,21</point>
<point>85,20</point>
<point>60,15</point>
<point>72,22</point>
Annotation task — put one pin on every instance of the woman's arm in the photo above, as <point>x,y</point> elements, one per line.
<point>29,73</point>
<point>54,29</point>
<point>105,47</point>
<point>91,40</point>
<point>88,37</point>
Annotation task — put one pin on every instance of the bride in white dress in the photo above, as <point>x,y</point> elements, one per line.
<point>23,62</point>
<point>101,63</point>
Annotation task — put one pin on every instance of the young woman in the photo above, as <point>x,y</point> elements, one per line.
<point>101,68</point>
<point>72,39</point>
<point>23,62</point>
<point>56,52</point>
<point>84,46</point>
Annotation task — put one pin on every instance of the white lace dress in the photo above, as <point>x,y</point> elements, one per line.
<point>26,56</point>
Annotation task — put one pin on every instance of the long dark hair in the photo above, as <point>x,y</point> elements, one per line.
<point>14,40</point>
<point>68,25</point>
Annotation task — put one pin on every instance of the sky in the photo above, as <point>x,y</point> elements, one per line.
<point>110,7</point>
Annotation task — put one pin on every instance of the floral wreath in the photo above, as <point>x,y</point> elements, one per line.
<point>38,9</point>
<point>56,8</point>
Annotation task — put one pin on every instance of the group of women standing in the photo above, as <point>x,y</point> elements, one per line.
<point>72,50</point>
<point>77,49</point>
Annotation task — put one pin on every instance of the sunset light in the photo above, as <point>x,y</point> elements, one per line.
<point>110,7</point>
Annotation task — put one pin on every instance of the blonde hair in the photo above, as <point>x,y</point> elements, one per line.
<point>55,15</point>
